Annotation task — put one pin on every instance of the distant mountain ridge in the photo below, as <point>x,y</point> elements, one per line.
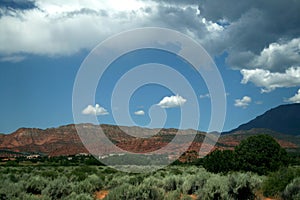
<point>283,119</point>
<point>64,140</point>
<point>281,122</point>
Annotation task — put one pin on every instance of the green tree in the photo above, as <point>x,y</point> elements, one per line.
<point>220,161</point>
<point>260,154</point>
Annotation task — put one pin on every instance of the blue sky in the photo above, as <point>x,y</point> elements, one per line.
<point>43,44</point>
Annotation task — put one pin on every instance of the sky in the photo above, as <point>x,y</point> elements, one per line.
<point>43,43</point>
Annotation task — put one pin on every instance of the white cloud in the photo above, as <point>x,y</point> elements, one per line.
<point>295,98</point>
<point>271,80</point>
<point>278,56</point>
<point>61,28</point>
<point>172,101</point>
<point>202,96</point>
<point>94,110</point>
<point>64,28</point>
<point>139,112</point>
<point>259,102</point>
<point>244,102</point>
<point>12,59</point>
<point>207,95</point>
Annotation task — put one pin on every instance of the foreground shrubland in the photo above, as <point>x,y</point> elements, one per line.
<point>173,182</point>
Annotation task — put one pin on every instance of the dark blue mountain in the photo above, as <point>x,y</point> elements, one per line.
<point>283,119</point>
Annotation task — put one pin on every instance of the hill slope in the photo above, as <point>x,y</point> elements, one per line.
<point>283,119</point>
<point>64,140</point>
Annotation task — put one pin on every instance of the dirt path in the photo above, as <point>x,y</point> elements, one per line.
<point>262,197</point>
<point>101,194</point>
<point>193,196</point>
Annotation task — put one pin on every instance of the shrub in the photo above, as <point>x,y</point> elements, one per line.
<point>130,192</point>
<point>243,185</point>
<point>172,195</point>
<point>49,173</point>
<point>118,180</point>
<point>36,184</point>
<point>13,178</point>
<point>9,190</point>
<point>74,196</point>
<point>11,163</point>
<point>83,187</point>
<point>153,181</point>
<point>25,196</point>
<point>292,190</point>
<point>121,192</point>
<point>277,181</point>
<point>186,197</point>
<point>89,185</point>
<point>58,188</point>
<point>136,179</point>
<point>216,188</point>
<point>193,183</point>
<point>96,181</point>
<point>149,193</point>
<point>172,182</point>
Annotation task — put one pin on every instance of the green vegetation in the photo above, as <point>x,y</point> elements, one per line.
<point>282,182</point>
<point>258,165</point>
<point>220,161</point>
<point>53,161</point>
<point>173,182</point>
<point>259,153</point>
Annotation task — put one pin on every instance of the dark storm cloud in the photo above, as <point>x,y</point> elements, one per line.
<point>254,34</point>
<point>252,26</point>
<point>281,12</point>
<point>17,4</point>
<point>179,2</point>
<point>181,19</point>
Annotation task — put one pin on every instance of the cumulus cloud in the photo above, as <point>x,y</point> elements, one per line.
<point>269,81</point>
<point>139,112</point>
<point>94,110</point>
<point>12,59</point>
<point>244,102</point>
<point>172,101</point>
<point>253,34</point>
<point>278,56</point>
<point>295,98</point>
<point>64,28</point>
<point>203,96</point>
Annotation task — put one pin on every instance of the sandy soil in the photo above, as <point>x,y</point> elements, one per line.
<point>101,194</point>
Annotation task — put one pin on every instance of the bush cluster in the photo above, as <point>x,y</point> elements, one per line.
<point>170,184</point>
<point>259,153</point>
<point>48,183</point>
<point>173,182</point>
<point>283,183</point>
